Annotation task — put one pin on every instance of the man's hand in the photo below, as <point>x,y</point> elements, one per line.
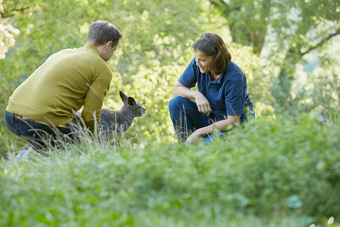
<point>202,103</point>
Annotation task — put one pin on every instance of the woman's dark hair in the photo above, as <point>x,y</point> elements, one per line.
<point>212,45</point>
<point>101,32</point>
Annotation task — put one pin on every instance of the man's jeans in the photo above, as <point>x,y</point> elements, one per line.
<point>186,118</point>
<point>40,135</point>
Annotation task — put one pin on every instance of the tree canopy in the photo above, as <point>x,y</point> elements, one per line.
<point>285,30</point>
<point>270,40</point>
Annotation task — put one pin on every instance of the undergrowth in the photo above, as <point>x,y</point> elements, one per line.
<point>272,172</point>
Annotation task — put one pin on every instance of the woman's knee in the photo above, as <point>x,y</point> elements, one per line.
<point>177,103</point>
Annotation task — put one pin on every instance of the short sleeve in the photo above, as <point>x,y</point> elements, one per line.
<point>189,76</point>
<point>234,99</point>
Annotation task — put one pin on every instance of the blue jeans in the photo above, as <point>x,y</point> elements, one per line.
<point>40,135</point>
<point>186,118</point>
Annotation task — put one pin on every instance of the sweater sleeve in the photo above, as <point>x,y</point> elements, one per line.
<point>94,99</point>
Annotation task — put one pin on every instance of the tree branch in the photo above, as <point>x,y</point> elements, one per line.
<point>10,13</point>
<point>219,3</point>
<point>320,43</point>
<point>226,6</point>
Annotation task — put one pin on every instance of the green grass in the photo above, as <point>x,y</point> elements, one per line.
<point>272,173</point>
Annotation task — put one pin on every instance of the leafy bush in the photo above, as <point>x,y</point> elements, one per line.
<point>283,171</point>
<point>320,92</point>
<point>7,85</point>
<point>279,170</point>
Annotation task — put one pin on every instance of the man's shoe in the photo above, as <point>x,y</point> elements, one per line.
<point>23,153</point>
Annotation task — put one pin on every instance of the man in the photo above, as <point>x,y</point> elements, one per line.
<point>41,108</point>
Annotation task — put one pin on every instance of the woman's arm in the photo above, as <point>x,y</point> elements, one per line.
<point>201,101</point>
<point>221,125</point>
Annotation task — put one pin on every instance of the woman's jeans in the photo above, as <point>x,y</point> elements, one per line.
<point>40,135</point>
<point>186,118</point>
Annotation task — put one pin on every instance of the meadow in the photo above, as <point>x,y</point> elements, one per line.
<point>271,172</point>
<point>283,169</point>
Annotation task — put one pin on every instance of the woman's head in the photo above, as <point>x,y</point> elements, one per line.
<point>101,32</point>
<point>213,47</point>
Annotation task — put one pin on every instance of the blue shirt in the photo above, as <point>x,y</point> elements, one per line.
<point>227,95</point>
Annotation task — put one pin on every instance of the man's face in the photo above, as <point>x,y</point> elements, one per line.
<point>109,50</point>
<point>112,50</point>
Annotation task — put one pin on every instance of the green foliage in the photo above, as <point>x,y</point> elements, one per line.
<point>47,27</point>
<point>268,173</point>
<point>7,85</point>
<point>283,165</point>
<point>154,51</point>
<point>321,90</point>
<point>284,172</point>
<point>314,25</point>
<point>283,33</point>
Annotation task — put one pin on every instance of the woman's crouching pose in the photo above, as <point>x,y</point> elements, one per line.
<point>222,98</point>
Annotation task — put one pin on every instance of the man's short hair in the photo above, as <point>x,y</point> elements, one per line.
<point>101,32</point>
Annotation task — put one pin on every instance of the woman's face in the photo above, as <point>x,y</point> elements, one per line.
<point>203,61</point>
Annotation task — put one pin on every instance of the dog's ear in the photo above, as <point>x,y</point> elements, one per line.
<point>123,96</point>
<point>131,101</point>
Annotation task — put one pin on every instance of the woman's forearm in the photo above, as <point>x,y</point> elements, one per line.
<point>184,92</point>
<point>221,125</point>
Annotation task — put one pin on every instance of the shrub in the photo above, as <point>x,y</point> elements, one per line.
<point>284,171</point>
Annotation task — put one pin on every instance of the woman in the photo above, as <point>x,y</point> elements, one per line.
<point>222,96</point>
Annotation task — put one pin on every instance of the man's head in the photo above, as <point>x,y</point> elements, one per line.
<point>105,37</point>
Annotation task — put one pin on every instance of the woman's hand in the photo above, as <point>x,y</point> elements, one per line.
<point>202,103</point>
<point>194,137</point>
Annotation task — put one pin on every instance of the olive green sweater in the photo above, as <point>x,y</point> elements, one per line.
<point>68,80</point>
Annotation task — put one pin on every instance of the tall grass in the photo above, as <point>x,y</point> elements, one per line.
<point>282,172</point>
